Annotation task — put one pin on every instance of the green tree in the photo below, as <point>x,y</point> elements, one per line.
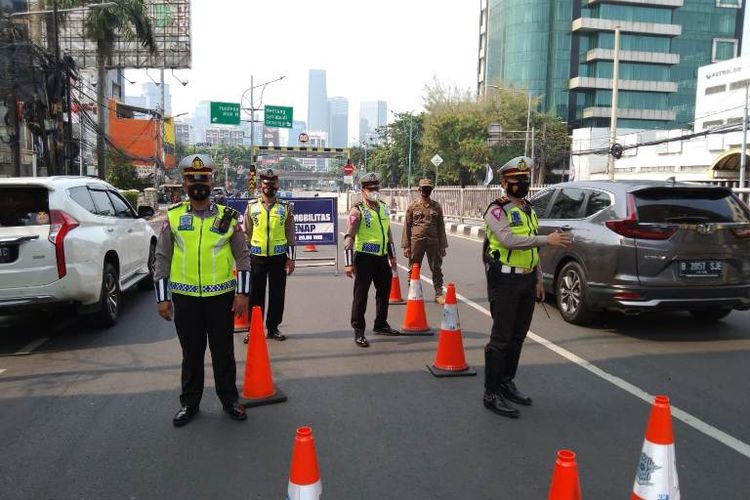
<point>121,173</point>
<point>127,18</point>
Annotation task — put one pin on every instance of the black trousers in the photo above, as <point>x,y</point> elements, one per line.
<point>369,269</point>
<point>198,319</point>
<point>270,269</point>
<point>512,298</point>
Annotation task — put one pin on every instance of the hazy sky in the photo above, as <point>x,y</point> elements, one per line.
<point>385,50</point>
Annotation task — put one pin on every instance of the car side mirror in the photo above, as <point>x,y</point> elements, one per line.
<point>145,212</point>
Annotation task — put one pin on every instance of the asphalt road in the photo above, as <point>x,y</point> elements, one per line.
<point>86,414</point>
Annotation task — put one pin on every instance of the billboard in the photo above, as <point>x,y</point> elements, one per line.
<point>170,20</point>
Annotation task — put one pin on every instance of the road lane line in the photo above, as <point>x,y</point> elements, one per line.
<point>2,370</point>
<point>685,417</point>
<point>28,349</point>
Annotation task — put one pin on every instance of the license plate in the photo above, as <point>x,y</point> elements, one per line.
<point>699,268</point>
<point>4,254</point>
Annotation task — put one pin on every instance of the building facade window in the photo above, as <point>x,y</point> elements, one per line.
<point>729,4</point>
<point>716,89</point>
<point>723,49</point>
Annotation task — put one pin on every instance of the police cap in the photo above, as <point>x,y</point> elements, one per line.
<point>268,175</point>
<point>370,180</point>
<point>517,167</point>
<point>197,167</point>
<point>425,183</point>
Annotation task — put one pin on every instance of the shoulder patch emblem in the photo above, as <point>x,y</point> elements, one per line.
<point>497,213</point>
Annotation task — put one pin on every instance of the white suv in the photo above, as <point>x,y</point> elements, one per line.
<point>71,241</point>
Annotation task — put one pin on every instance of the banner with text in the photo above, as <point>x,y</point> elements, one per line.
<point>315,219</point>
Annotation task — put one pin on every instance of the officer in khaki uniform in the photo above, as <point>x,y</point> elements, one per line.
<point>199,245</point>
<point>424,233</point>
<point>370,257</point>
<point>514,281</point>
<point>269,223</point>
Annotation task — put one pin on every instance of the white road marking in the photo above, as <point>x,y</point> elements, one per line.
<point>2,370</point>
<point>28,349</point>
<point>463,237</point>
<point>685,417</point>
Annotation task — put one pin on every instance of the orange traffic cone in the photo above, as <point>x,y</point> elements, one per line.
<point>565,485</point>
<point>310,248</point>
<point>415,320</point>
<point>449,359</point>
<point>656,476</point>
<point>304,477</point>
<point>258,388</point>
<point>396,297</point>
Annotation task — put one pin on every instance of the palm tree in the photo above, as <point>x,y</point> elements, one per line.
<point>127,18</point>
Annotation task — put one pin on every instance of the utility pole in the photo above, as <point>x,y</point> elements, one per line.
<point>613,115</point>
<point>528,121</point>
<point>252,120</point>
<point>533,161</point>
<point>81,129</point>
<point>161,128</point>
<point>743,158</point>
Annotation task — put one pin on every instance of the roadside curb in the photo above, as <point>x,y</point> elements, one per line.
<point>468,230</point>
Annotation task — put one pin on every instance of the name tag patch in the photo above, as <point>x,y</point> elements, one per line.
<point>186,223</point>
<point>371,248</point>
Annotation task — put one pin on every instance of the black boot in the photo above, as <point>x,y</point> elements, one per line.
<point>360,340</point>
<point>493,399</point>
<point>509,390</point>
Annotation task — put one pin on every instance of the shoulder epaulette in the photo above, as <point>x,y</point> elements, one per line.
<point>176,205</point>
<point>500,202</point>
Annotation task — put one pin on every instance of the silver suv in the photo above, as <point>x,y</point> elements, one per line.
<point>645,246</point>
<point>71,241</point>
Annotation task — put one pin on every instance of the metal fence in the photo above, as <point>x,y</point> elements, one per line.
<point>469,203</point>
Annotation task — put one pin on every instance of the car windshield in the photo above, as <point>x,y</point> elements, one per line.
<point>688,205</point>
<point>23,206</point>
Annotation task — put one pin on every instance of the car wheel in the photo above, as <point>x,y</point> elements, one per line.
<point>109,300</point>
<point>711,315</point>
<point>147,283</point>
<point>571,294</point>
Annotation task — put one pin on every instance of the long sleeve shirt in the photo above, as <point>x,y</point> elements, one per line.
<point>424,221</point>
<point>498,223</point>
<point>165,246</point>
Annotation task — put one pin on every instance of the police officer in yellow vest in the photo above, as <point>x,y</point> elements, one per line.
<point>369,257</point>
<point>269,223</point>
<point>514,280</point>
<point>199,246</point>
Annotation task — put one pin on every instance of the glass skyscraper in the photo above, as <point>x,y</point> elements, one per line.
<point>317,101</point>
<point>338,122</point>
<point>562,51</point>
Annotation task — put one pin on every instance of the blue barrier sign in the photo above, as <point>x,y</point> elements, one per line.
<point>315,219</point>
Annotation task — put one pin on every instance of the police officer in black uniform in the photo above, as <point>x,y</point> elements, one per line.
<point>514,280</point>
<point>269,223</point>
<point>199,244</point>
<point>370,256</point>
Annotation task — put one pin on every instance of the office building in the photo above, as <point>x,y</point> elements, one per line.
<point>317,139</point>
<point>338,121</point>
<point>201,120</point>
<point>720,95</point>
<point>562,51</point>
<point>150,97</point>
<point>183,133</point>
<point>317,101</point>
<point>372,114</point>
<point>229,136</point>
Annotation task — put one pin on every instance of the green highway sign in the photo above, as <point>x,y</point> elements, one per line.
<point>225,113</point>
<point>278,116</point>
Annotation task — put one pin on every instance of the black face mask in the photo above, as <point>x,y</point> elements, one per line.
<point>519,189</point>
<point>426,191</point>
<point>270,191</point>
<point>199,192</point>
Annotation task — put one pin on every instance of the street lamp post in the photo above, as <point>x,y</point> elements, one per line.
<point>252,107</point>
<point>528,115</point>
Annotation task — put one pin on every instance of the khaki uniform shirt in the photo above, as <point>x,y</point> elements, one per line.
<point>165,245</point>
<point>424,221</point>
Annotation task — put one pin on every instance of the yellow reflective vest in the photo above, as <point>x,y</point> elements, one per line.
<point>269,228</point>
<point>202,261</point>
<point>372,234</point>
<point>521,224</point>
